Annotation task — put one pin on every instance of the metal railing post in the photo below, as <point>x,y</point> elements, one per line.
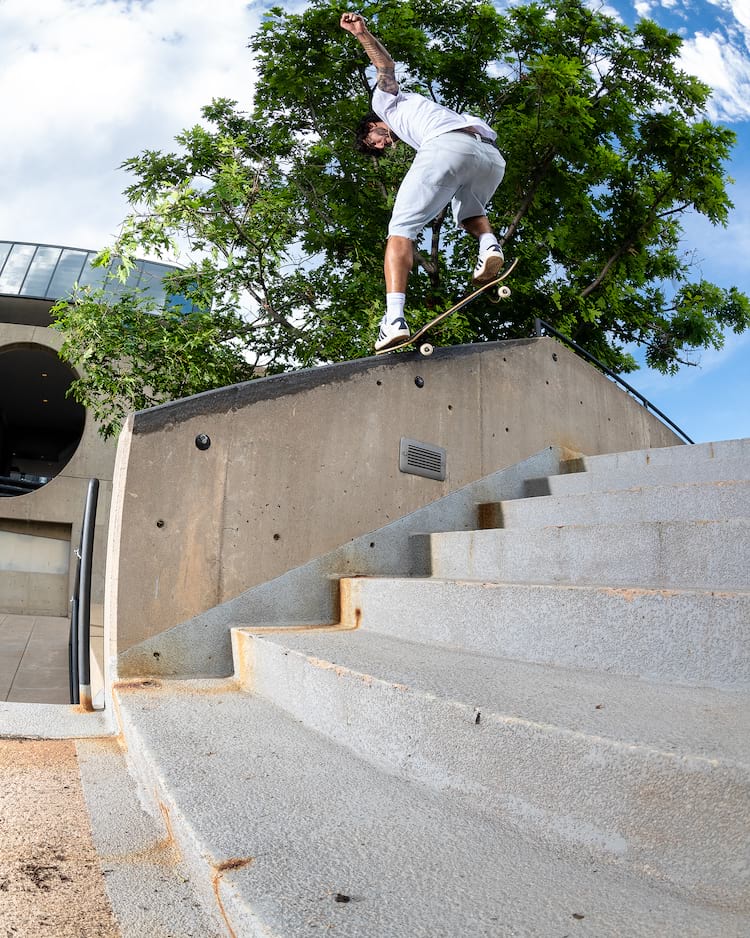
<point>73,636</point>
<point>84,602</point>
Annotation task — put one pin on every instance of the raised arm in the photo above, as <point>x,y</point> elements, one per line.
<point>376,51</point>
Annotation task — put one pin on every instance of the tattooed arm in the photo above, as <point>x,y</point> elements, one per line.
<point>376,52</point>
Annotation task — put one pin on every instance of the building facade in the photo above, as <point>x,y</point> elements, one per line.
<point>49,444</point>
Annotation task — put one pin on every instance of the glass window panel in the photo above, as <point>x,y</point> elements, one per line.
<point>114,287</point>
<point>5,247</point>
<point>134,277</point>
<point>69,269</point>
<point>151,281</point>
<point>40,272</point>
<point>15,267</point>
<point>92,276</point>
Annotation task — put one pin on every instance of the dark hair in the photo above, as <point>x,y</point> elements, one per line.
<point>363,129</point>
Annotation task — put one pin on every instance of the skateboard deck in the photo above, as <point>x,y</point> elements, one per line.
<point>427,348</point>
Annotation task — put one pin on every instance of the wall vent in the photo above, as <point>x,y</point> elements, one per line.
<point>422,459</point>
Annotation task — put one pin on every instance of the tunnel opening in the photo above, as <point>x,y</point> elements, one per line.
<point>40,428</point>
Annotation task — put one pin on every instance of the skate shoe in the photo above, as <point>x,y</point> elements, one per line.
<point>489,265</point>
<point>391,333</point>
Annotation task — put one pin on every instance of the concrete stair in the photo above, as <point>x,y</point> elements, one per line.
<point>546,735</point>
<point>727,460</point>
<point>688,636</point>
<point>707,555</point>
<point>291,833</point>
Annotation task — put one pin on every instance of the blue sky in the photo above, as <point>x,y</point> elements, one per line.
<point>85,84</point>
<point>712,400</point>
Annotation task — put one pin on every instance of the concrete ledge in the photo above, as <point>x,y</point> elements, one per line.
<point>198,527</point>
<point>53,721</point>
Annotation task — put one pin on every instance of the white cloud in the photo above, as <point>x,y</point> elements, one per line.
<point>739,10</point>
<point>716,48</point>
<point>723,66</point>
<point>85,84</point>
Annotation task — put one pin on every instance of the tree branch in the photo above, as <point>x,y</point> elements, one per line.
<point>626,245</point>
<point>528,198</point>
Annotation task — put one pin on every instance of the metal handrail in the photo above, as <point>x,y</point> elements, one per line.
<point>79,646</point>
<point>9,485</point>
<point>540,324</point>
<point>73,637</point>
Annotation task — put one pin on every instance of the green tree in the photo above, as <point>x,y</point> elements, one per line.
<point>132,355</point>
<point>607,147</point>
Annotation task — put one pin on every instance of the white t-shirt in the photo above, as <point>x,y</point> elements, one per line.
<point>415,119</point>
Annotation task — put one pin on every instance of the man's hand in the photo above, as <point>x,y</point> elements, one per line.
<point>377,53</point>
<point>353,23</point>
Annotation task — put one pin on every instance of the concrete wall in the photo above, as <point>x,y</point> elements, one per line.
<point>55,508</point>
<point>301,463</point>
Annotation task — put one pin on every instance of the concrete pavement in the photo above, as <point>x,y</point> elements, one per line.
<point>34,659</point>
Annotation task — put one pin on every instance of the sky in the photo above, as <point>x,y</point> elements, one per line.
<point>85,84</point>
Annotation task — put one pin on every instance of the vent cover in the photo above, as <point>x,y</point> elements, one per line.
<point>422,459</point>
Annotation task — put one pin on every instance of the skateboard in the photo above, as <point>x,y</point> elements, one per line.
<point>426,348</point>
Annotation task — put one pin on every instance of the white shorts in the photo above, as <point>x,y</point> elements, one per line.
<point>454,167</point>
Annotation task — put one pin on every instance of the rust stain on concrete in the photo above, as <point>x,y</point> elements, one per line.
<point>261,630</point>
<point>350,614</point>
<point>235,863</point>
<point>203,690</point>
<point>137,684</point>
<point>337,669</point>
<point>629,594</point>
<point>220,869</point>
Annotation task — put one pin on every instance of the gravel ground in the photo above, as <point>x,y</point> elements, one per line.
<point>51,883</point>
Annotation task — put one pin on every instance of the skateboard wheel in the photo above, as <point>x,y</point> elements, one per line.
<point>503,292</point>
<point>426,349</point>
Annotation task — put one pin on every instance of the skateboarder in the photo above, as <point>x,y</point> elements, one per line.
<point>457,161</point>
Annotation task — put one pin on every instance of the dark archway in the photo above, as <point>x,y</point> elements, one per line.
<point>40,428</point>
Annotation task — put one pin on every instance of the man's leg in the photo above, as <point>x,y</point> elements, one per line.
<point>477,226</point>
<point>398,262</point>
<point>491,257</point>
<point>470,208</point>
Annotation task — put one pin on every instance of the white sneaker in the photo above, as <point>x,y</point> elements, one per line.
<point>489,265</point>
<point>391,333</point>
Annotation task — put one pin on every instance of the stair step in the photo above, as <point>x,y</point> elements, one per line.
<point>684,636</point>
<point>151,888</point>
<point>606,477</point>
<point>673,554</point>
<point>583,746</point>
<point>296,832</point>
<point>662,456</point>
<point>701,501</point>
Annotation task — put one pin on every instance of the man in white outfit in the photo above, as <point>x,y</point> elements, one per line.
<point>457,162</point>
